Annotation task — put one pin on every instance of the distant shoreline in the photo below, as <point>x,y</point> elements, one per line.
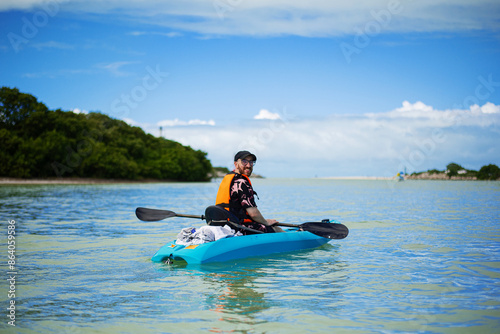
<point>440,176</point>
<point>443,177</point>
<point>355,178</point>
<point>18,181</point>
<point>424,176</point>
<point>83,181</point>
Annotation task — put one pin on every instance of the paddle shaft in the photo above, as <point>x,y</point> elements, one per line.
<point>326,230</point>
<point>162,214</point>
<point>190,216</point>
<point>202,217</point>
<point>287,225</point>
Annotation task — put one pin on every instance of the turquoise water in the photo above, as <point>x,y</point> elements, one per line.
<point>421,256</point>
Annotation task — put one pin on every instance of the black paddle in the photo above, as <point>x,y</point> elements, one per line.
<point>152,215</point>
<point>325,230</point>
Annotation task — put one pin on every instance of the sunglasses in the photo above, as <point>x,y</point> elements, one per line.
<point>248,162</point>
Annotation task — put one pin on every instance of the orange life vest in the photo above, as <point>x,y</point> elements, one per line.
<point>224,192</point>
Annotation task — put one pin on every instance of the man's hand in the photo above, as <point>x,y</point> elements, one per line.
<point>272,222</point>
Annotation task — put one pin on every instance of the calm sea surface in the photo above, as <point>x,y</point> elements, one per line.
<point>421,256</point>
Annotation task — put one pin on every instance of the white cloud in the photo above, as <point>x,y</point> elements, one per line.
<point>488,108</point>
<point>293,17</point>
<point>56,73</point>
<point>409,110</point>
<point>422,115</point>
<point>79,111</point>
<point>115,68</point>
<point>165,34</point>
<point>131,122</point>
<point>177,122</point>
<point>418,106</point>
<point>344,145</point>
<point>266,114</point>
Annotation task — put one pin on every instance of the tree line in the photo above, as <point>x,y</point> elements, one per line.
<point>487,172</point>
<point>42,143</point>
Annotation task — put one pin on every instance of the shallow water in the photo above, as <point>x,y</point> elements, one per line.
<point>421,256</point>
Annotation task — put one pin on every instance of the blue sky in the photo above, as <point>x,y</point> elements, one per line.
<point>327,88</point>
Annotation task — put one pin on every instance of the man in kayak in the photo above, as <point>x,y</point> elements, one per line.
<point>236,194</point>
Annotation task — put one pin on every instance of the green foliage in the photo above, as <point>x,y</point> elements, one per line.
<point>490,172</point>
<point>224,170</point>
<point>453,168</point>
<point>16,107</point>
<point>38,142</point>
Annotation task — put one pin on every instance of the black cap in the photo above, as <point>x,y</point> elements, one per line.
<point>242,154</point>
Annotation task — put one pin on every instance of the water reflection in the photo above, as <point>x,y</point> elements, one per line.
<point>244,293</point>
<point>236,299</point>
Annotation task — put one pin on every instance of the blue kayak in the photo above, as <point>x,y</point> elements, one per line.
<point>239,247</point>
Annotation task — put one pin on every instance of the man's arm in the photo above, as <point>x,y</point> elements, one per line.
<point>255,214</point>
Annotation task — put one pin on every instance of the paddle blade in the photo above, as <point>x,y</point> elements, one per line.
<point>326,230</point>
<point>152,215</point>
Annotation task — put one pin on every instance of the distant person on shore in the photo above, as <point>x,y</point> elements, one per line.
<point>236,194</point>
